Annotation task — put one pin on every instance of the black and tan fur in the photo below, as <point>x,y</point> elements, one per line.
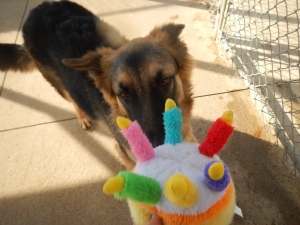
<point>103,74</point>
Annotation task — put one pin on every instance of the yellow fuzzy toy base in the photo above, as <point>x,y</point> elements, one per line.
<point>139,214</point>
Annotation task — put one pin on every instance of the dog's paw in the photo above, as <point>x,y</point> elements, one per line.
<point>83,119</point>
<point>84,122</point>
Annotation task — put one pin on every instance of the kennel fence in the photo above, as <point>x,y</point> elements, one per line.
<point>262,39</point>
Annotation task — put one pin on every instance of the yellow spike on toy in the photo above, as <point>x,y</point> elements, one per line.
<point>216,171</point>
<point>228,116</point>
<point>169,104</point>
<point>113,185</point>
<point>123,122</point>
<point>181,191</point>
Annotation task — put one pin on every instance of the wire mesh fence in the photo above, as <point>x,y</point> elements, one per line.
<point>262,39</point>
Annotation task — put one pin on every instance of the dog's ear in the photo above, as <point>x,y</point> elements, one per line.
<point>173,30</point>
<point>97,64</point>
<point>89,62</point>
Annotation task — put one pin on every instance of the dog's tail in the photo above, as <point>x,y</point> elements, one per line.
<point>15,57</point>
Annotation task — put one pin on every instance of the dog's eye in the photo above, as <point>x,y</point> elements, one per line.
<point>164,82</point>
<point>124,94</point>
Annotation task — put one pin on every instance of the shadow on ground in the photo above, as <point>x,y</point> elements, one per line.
<point>85,204</point>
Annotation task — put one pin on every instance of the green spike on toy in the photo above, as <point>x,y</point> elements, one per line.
<point>135,187</point>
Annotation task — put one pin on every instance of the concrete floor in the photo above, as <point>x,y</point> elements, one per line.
<point>52,171</point>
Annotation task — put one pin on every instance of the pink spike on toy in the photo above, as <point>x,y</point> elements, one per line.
<point>139,143</point>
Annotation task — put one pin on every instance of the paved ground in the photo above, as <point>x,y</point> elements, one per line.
<point>52,172</point>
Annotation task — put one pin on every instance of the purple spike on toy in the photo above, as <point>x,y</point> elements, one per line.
<point>139,143</point>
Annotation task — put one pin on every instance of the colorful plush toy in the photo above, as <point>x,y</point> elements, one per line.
<point>184,183</point>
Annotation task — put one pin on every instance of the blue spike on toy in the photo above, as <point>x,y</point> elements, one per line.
<point>173,124</point>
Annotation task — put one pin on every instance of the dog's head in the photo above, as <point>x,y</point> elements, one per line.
<point>137,78</point>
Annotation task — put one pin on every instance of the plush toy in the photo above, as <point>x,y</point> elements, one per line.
<point>184,183</point>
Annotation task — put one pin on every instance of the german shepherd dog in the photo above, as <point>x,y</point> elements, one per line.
<point>102,73</point>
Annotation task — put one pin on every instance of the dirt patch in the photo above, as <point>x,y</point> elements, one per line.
<point>220,62</point>
<point>213,46</point>
<point>174,17</point>
<point>197,17</point>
